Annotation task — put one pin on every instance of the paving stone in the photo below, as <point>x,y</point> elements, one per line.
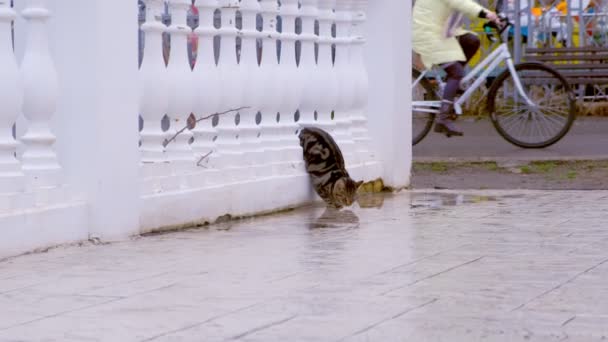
<point>426,266</point>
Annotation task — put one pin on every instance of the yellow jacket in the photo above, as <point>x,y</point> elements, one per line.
<point>429,27</point>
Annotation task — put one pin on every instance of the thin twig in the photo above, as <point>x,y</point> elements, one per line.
<point>168,141</point>
<point>203,158</point>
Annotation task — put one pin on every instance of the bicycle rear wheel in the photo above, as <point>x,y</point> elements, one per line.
<point>536,125</point>
<point>422,122</point>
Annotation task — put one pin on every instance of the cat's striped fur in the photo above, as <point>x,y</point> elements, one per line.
<point>325,164</point>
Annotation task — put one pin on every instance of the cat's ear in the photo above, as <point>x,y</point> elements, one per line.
<point>340,186</point>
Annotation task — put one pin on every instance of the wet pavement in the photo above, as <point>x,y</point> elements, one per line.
<point>587,140</point>
<point>415,266</point>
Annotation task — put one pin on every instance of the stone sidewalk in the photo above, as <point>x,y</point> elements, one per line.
<point>447,266</point>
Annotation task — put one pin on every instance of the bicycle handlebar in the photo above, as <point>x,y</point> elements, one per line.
<point>505,24</point>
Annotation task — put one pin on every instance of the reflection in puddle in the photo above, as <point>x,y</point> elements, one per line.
<point>439,200</point>
<point>345,218</point>
<point>368,201</point>
<point>333,218</point>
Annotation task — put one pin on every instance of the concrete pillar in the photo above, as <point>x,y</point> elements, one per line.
<point>388,58</point>
<point>94,45</point>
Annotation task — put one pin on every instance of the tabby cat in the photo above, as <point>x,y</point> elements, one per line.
<point>326,167</point>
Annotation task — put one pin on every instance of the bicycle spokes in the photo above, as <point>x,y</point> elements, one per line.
<point>542,120</point>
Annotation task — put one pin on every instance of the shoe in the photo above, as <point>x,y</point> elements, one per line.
<point>448,128</point>
<point>445,124</point>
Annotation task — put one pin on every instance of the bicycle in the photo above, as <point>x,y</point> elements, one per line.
<point>531,105</point>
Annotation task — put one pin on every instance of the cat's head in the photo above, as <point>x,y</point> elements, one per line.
<point>305,134</point>
<point>345,192</point>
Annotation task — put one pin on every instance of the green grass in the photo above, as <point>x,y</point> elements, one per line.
<point>544,167</point>
<point>445,166</point>
<point>565,170</point>
<point>539,167</point>
<point>433,167</point>
<point>439,167</point>
<point>526,169</point>
<point>492,166</point>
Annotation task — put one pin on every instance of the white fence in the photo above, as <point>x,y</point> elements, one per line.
<point>76,76</point>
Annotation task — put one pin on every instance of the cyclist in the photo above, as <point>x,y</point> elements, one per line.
<point>439,39</point>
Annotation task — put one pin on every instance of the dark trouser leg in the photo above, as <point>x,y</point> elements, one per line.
<point>455,71</point>
<point>444,123</point>
<point>470,43</point>
<point>455,74</point>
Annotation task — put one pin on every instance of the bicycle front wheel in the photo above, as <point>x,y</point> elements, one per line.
<point>543,118</point>
<point>422,122</point>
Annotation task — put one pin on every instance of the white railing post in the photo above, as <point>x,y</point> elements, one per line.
<point>308,64</point>
<point>207,80</point>
<point>180,87</point>
<point>345,76</point>
<point>361,87</point>
<point>153,85</point>
<point>329,86</point>
<point>290,79</point>
<point>11,99</point>
<point>40,100</point>
<point>388,58</point>
<point>253,86</point>
<point>271,97</point>
<point>228,145</point>
<point>94,45</point>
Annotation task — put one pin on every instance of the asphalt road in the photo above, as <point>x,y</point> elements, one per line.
<point>587,140</point>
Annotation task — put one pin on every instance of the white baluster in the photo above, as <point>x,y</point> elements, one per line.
<point>207,80</point>
<point>361,84</point>
<point>153,80</point>
<point>252,83</point>
<point>273,89</point>
<point>180,88</point>
<point>344,74</point>
<point>40,100</point>
<point>308,64</point>
<point>228,146</point>
<point>290,79</point>
<point>11,98</point>
<point>329,86</point>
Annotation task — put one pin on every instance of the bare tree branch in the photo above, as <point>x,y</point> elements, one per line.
<point>203,158</point>
<point>168,141</point>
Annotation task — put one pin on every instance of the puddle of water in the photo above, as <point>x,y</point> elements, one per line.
<point>332,218</point>
<point>346,218</point>
<point>440,200</point>
<point>369,201</point>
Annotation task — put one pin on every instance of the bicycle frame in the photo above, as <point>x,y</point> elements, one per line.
<point>481,72</point>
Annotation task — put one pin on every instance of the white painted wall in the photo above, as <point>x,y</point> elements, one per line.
<point>110,196</point>
<point>95,49</point>
<point>388,57</point>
